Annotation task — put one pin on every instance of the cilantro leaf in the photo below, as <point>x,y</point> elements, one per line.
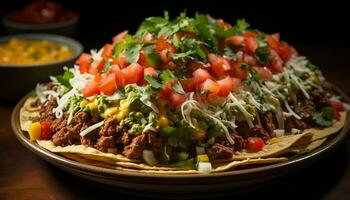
<point>178,88</point>
<point>154,83</point>
<point>106,67</point>
<point>262,54</point>
<point>241,26</point>
<point>153,58</point>
<point>132,52</point>
<point>167,76</point>
<point>230,54</point>
<point>64,79</point>
<point>118,48</point>
<point>325,117</point>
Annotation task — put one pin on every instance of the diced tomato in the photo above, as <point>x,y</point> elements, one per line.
<point>165,56</point>
<point>133,73</point>
<point>251,45</point>
<point>237,83</point>
<point>193,66</point>
<point>177,99</point>
<point>45,130</point>
<point>120,37</point>
<point>150,71</point>
<point>249,59</point>
<point>285,51</point>
<point>162,44</point>
<point>276,66</point>
<point>264,73</point>
<point>226,86</point>
<point>166,90</point>
<point>336,105</point>
<point>219,65</point>
<point>170,65</point>
<point>119,75</point>
<point>200,75</point>
<point>84,62</point>
<point>143,59</point>
<point>96,67</point>
<point>211,88</point>
<point>255,144</point>
<point>107,52</point>
<point>249,34</point>
<point>108,85</point>
<point>236,40</point>
<point>122,60</point>
<point>90,89</point>
<point>237,72</point>
<point>189,84</point>
<point>273,40</point>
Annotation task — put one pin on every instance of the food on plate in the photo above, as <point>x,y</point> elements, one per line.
<point>188,95</point>
<point>29,51</point>
<point>42,12</point>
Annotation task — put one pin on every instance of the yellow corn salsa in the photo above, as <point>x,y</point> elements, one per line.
<point>26,51</point>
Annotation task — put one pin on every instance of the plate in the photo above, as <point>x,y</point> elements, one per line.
<point>237,180</point>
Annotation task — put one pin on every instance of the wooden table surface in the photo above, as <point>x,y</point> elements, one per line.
<point>26,176</point>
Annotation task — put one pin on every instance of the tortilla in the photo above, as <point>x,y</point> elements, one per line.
<point>27,113</point>
<point>309,147</point>
<point>219,168</point>
<point>233,164</point>
<point>85,150</point>
<point>270,150</point>
<point>325,132</point>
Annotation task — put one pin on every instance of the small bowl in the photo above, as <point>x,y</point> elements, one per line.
<point>66,28</point>
<point>17,79</point>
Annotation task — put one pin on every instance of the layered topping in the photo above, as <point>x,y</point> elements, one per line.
<point>187,90</point>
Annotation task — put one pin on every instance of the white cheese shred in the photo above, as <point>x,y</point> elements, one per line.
<point>91,128</point>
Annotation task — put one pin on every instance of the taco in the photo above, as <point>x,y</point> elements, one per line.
<point>188,94</point>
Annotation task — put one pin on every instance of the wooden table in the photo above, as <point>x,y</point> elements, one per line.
<point>26,176</point>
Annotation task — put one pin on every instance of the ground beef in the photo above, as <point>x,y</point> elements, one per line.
<point>155,142</point>
<point>126,138</point>
<point>89,139</point>
<point>292,122</point>
<point>320,99</point>
<point>268,121</point>
<point>109,127</point>
<point>66,136</point>
<point>105,142</point>
<point>257,131</point>
<point>219,151</point>
<point>305,109</point>
<point>138,144</point>
<point>240,142</point>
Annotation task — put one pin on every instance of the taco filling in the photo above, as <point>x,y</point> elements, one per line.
<point>183,92</point>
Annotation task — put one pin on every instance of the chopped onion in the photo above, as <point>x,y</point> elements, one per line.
<point>279,132</point>
<point>204,167</point>
<point>149,157</point>
<point>149,127</point>
<point>243,110</point>
<point>295,131</point>
<point>91,128</point>
<point>200,150</point>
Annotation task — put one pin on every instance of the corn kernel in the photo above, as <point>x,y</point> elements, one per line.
<point>92,106</point>
<point>34,131</point>
<point>83,103</point>
<point>110,111</point>
<point>274,101</point>
<point>202,158</point>
<point>163,121</point>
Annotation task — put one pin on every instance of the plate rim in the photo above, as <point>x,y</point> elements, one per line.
<point>54,158</point>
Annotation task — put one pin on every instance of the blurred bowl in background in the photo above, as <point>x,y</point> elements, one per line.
<point>66,28</point>
<point>16,80</point>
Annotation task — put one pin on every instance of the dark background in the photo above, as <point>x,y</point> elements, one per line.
<point>298,23</point>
